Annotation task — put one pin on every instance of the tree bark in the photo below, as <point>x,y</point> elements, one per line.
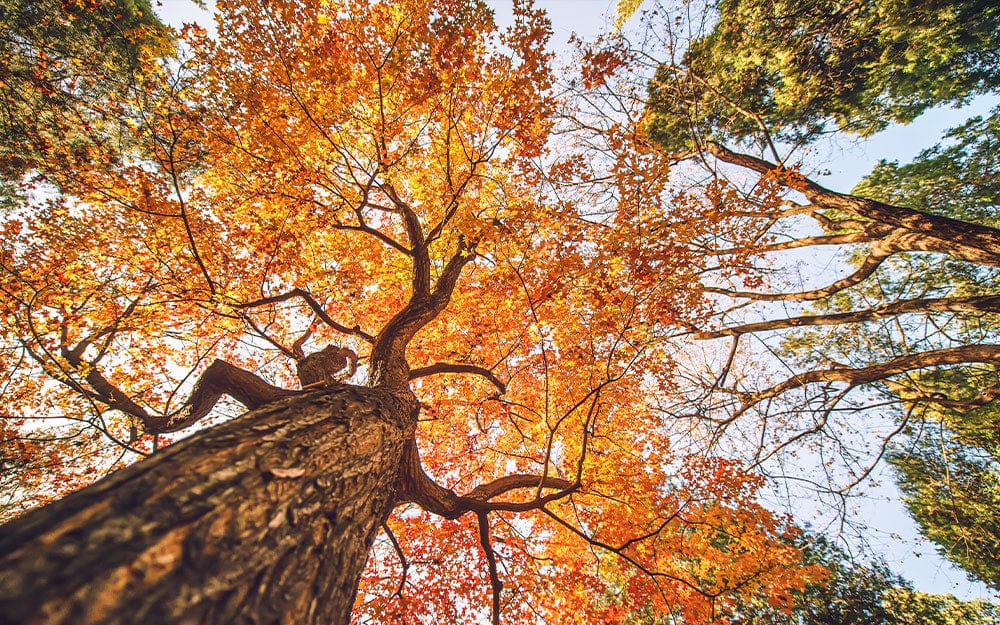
<point>266,519</point>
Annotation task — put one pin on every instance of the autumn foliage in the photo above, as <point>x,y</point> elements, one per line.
<point>320,173</point>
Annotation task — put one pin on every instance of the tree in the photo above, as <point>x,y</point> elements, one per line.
<point>359,200</point>
<point>798,69</point>
<point>852,593</point>
<point>858,593</point>
<point>62,61</point>
<point>908,606</point>
<point>946,465</point>
<point>905,330</point>
<point>947,472</point>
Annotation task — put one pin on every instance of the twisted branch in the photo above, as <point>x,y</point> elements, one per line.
<point>417,487</point>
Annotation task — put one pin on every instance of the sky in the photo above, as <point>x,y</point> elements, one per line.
<point>892,533</point>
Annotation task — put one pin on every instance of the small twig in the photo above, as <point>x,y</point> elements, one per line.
<point>315,306</point>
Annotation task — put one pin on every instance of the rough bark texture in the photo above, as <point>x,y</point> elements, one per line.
<point>267,519</point>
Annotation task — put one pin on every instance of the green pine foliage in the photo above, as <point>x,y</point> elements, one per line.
<point>949,473</point>
<point>801,68</point>
<point>63,60</point>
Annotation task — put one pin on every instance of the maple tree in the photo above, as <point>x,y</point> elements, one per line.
<point>364,223</point>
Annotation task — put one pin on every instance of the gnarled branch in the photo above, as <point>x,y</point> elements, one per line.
<point>389,367</point>
<point>220,378</point>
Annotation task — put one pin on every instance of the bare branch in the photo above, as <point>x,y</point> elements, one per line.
<point>220,378</point>
<point>839,239</point>
<point>315,306</point>
<point>866,375</point>
<point>516,481</point>
<point>961,406</point>
<point>866,269</point>
<point>445,367</point>
<point>972,304</point>
<point>491,561</point>
<point>403,562</point>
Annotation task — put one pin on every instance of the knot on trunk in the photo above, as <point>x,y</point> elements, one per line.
<point>330,365</point>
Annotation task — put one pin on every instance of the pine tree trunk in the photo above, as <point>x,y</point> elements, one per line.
<point>266,519</point>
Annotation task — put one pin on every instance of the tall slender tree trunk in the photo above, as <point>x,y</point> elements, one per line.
<point>266,519</point>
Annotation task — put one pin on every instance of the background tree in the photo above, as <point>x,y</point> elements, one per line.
<point>947,464</point>
<point>856,593</point>
<point>947,472</point>
<point>69,67</point>
<point>850,593</point>
<point>797,69</point>
<point>347,218</point>
<point>905,329</point>
<point>63,62</point>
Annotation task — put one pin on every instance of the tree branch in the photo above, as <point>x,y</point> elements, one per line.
<point>961,406</point>
<point>403,562</point>
<point>220,378</point>
<point>491,560</point>
<point>866,375</point>
<point>444,367</point>
<point>839,239</point>
<point>972,304</point>
<point>871,263</point>
<point>421,282</point>
<point>103,390</point>
<point>417,487</point>
<point>389,367</point>
<point>315,306</point>
<point>933,233</point>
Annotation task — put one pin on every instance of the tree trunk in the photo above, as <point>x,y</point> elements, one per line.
<point>266,519</point>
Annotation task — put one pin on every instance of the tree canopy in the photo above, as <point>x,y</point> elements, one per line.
<point>947,465</point>
<point>862,593</point>
<point>795,69</point>
<point>377,207</point>
<point>385,312</point>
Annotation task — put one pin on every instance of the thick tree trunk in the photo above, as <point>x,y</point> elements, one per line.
<point>266,519</point>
